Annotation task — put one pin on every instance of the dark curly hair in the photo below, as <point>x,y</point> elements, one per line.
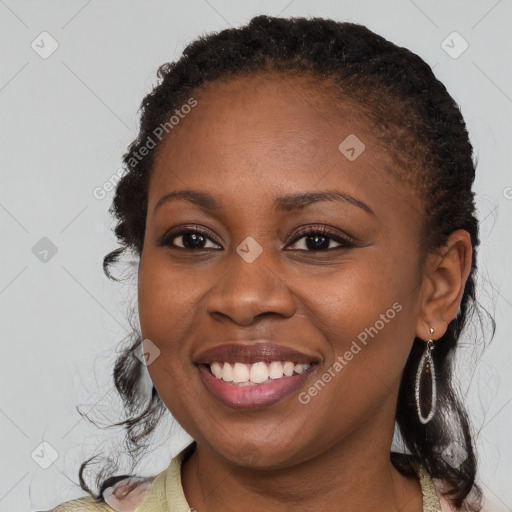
<point>424,131</point>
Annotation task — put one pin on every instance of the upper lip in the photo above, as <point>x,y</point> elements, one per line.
<point>253,352</point>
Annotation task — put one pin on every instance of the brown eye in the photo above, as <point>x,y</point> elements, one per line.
<point>191,239</point>
<point>319,239</point>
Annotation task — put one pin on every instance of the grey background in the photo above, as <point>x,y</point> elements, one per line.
<point>65,122</point>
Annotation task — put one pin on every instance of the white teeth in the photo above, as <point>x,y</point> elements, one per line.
<point>227,373</point>
<point>216,370</point>
<point>275,370</point>
<point>240,373</point>
<point>299,368</point>
<point>288,368</point>
<point>256,373</point>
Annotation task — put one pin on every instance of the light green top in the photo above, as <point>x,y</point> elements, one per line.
<point>166,493</point>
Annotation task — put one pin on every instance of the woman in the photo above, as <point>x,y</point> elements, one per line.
<point>300,197</point>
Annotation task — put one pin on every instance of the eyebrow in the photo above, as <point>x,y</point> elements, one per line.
<point>285,203</point>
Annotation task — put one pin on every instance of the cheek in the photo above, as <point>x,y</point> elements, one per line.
<point>368,317</point>
<point>165,296</point>
<point>165,304</point>
<point>166,308</point>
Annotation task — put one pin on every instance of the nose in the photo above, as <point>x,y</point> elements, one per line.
<point>247,290</point>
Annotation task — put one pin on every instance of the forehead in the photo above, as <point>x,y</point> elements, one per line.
<point>282,103</point>
<point>292,119</point>
<point>258,133</point>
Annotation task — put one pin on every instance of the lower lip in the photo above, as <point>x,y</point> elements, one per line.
<point>252,397</point>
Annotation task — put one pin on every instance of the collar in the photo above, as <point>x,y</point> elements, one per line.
<point>166,492</point>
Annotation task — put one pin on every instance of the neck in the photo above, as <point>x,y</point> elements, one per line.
<point>355,474</point>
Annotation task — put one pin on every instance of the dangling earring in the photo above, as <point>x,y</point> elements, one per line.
<point>426,369</point>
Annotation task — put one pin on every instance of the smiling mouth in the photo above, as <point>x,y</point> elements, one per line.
<point>251,386</point>
<point>261,372</point>
<point>256,374</point>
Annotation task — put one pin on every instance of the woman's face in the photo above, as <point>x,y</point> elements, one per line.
<point>346,300</point>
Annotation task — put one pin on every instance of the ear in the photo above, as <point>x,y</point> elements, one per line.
<point>446,273</point>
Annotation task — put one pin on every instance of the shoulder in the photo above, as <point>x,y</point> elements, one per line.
<point>125,496</point>
<point>88,504</point>
<point>138,494</point>
<point>484,505</point>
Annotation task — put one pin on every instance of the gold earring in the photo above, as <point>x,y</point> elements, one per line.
<point>426,370</point>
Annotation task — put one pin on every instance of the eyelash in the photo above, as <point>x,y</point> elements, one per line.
<point>345,242</point>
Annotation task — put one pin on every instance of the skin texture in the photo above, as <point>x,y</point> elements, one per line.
<point>248,141</point>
